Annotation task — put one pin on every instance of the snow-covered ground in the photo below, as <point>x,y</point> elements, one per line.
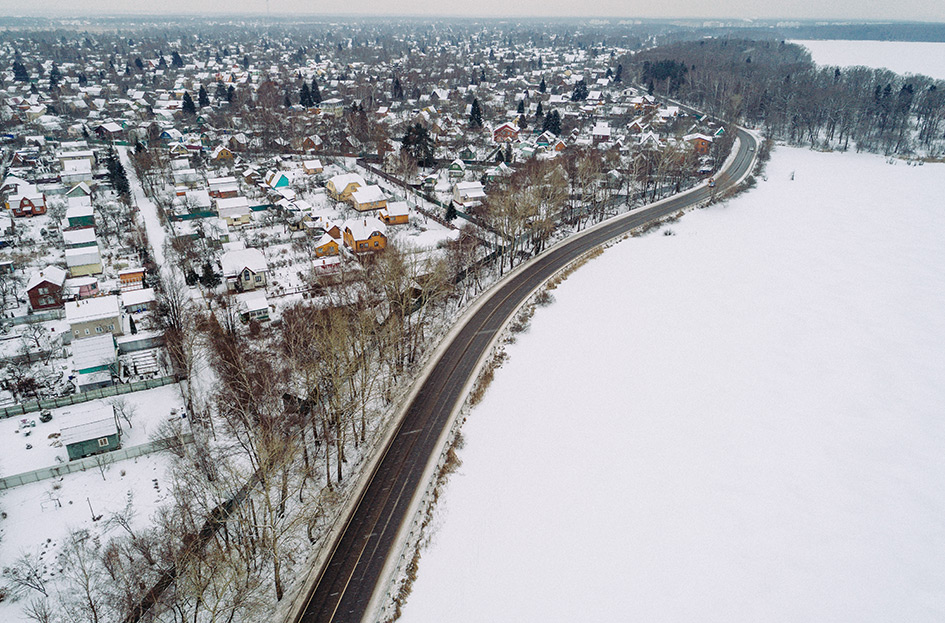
<point>900,56</point>
<point>738,422</point>
<point>148,410</point>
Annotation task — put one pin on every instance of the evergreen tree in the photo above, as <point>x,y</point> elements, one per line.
<point>419,144</point>
<point>139,64</point>
<point>230,92</point>
<point>397,91</point>
<point>221,92</point>
<point>116,174</point>
<point>305,96</point>
<point>539,113</point>
<point>208,278</point>
<point>451,212</point>
<point>316,93</point>
<point>552,123</point>
<point>580,92</point>
<point>542,87</point>
<point>19,72</point>
<point>521,107</point>
<point>188,106</point>
<point>287,101</point>
<point>246,62</point>
<point>618,75</point>
<point>508,153</point>
<point>176,60</point>
<point>475,115</point>
<point>202,98</point>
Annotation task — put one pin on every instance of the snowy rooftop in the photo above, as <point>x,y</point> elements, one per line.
<point>92,309</point>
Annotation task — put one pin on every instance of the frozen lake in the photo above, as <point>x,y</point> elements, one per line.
<point>902,57</point>
<point>738,422</point>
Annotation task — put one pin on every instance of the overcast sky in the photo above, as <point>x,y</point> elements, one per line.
<point>920,10</point>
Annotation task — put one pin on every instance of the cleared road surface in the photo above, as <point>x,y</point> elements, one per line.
<point>347,581</point>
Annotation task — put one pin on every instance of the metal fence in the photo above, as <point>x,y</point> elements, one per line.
<point>92,462</point>
<point>95,394</point>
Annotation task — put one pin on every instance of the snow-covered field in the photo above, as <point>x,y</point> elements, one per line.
<point>738,422</point>
<point>900,56</point>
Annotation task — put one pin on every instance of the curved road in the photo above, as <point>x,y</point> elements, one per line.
<point>346,583</point>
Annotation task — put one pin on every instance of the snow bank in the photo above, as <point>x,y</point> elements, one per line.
<point>738,422</point>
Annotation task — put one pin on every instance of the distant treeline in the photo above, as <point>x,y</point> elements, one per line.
<point>776,85</point>
<point>868,32</point>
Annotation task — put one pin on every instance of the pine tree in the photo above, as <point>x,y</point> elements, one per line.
<point>221,92</point>
<point>618,75</point>
<point>202,98</point>
<point>397,91</point>
<point>580,92</point>
<point>188,106</point>
<point>539,113</point>
<point>316,93</point>
<point>475,115</point>
<point>19,72</point>
<point>419,144</point>
<point>230,92</point>
<point>542,87</point>
<point>305,96</point>
<point>176,60</point>
<point>521,107</point>
<point>552,123</point>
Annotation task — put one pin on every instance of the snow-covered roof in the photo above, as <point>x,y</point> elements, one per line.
<point>368,194</point>
<point>83,256</point>
<point>92,352</point>
<point>362,228</point>
<point>52,274</point>
<point>340,182</point>
<point>92,309</point>
<point>90,423</point>
<point>235,261</point>
<point>137,297</point>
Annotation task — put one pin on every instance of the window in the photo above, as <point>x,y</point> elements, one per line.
<point>103,442</point>
<point>98,329</point>
<point>86,331</point>
<point>258,279</point>
<point>376,243</point>
<point>44,290</point>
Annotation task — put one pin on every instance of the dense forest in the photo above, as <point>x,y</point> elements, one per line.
<point>776,85</point>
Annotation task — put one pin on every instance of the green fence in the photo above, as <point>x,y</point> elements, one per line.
<point>95,394</point>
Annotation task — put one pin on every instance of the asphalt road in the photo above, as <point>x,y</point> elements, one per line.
<point>345,585</point>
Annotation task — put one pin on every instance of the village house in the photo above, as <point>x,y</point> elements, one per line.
<point>82,261</point>
<point>28,201</point>
<point>396,213</point>
<point>341,186</point>
<point>94,316</point>
<point>235,211</point>
<point>468,194</point>
<point>95,361</point>
<point>312,167</point>
<point>365,235</point>
<point>701,143</point>
<point>326,246</point>
<point>244,269</point>
<point>91,430</point>
<point>505,133</point>
<point>368,198</point>
<point>45,288</point>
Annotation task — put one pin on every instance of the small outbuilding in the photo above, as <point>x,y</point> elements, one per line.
<point>93,430</point>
